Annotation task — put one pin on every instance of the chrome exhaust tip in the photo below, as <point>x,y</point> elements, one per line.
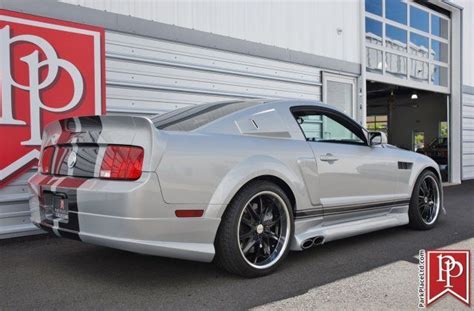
<point>318,240</point>
<point>307,243</point>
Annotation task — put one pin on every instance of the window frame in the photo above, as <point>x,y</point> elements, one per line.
<point>380,75</point>
<point>337,116</point>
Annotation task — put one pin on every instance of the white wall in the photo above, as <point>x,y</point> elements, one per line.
<point>307,26</point>
<point>468,40</point>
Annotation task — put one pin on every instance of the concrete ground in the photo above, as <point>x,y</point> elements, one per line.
<point>372,271</point>
<point>390,287</point>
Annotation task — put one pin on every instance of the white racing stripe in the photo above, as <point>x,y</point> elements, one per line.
<point>75,148</point>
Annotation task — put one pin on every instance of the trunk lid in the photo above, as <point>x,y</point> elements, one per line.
<point>77,146</point>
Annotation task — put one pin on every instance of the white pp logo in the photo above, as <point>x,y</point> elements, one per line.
<point>53,63</point>
<point>448,268</point>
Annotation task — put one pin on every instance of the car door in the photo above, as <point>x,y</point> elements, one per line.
<point>354,177</point>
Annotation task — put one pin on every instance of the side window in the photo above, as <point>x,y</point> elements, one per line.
<point>319,127</point>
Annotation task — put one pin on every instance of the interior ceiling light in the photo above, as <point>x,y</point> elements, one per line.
<point>414,95</point>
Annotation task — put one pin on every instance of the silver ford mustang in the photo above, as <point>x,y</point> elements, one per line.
<point>240,183</point>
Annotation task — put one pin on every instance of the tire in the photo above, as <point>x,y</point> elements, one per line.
<point>248,244</point>
<point>425,203</point>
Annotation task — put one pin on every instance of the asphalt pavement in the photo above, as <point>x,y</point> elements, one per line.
<point>52,273</point>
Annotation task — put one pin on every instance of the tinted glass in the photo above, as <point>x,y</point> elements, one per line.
<point>373,31</point>
<point>439,26</point>
<point>396,10</point>
<point>312,126</point>
<point>374,6</point>
<point>188,119</point>
<point>439,51</point>
<point>395,38</point>
<point>419,19</point>
<point>321,128</point>
<point>419,45</point>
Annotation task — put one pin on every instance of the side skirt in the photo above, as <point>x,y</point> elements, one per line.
<point>311,227</point>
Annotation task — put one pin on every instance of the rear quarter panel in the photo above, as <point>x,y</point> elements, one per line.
<point>211,168</point>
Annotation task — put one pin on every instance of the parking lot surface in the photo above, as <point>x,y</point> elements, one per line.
<point>64,274</point>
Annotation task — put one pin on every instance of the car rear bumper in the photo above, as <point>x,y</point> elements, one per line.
<point>128,215</point>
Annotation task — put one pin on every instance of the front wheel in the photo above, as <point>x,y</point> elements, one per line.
<point>255,230</point>
<point>425,204</point>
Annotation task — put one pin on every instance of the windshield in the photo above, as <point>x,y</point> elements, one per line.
<point>191,118</point>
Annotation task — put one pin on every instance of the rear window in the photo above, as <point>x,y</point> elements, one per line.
<point>190,118</point>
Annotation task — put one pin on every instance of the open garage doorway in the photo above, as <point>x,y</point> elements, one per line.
<point>412,119</point>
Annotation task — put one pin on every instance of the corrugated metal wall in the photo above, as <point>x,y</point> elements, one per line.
<point>325,28</point>
<point>14,210</point>
<point>151,76</point>
<point>468,137</point>
<point>147,76</point>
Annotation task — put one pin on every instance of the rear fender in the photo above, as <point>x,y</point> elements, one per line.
<point>247,170</point>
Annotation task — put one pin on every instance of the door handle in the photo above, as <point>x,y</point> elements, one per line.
<point>328,157</point>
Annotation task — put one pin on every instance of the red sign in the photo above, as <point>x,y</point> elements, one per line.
<point>448,271</point>
<point>49,70</point>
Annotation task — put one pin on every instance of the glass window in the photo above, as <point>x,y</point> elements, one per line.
<point>419,70</point>
<point>374,7</point>
<point>439,26</point>
<point>377,123</point>
<point>443,129</point>
<point>439,76</point>
<point>396,10</point>
<point>188,119</point>
<point>320,128</point>
<point>419,45</point>
<point>374,60</point>
<point>439,51</point>
<point>396,65</point>
<point>340,95</point>
<point>373,31</point>
<point>418,140</point>
<point>312,126</point>
<point>419,19</point>
<point>395,38</point>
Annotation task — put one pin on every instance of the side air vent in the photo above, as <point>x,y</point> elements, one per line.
<point>405,165</point>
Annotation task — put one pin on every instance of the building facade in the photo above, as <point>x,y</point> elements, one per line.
<point>374,59</point>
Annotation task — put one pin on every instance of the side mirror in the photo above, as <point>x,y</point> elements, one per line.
<point>378,138</point>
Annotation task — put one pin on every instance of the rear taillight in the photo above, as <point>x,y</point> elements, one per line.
<point>46,158</point>
<point>122,162</point>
